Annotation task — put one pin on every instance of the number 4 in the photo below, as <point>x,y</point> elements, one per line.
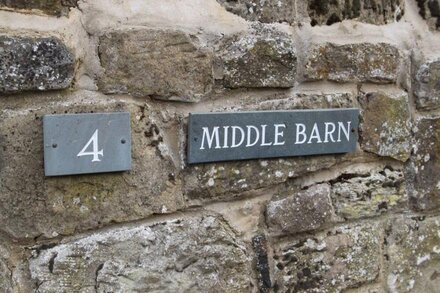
<point>95,153</point>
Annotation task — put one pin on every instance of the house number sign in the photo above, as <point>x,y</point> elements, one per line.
<point>86,143</point>
<point>269,134</point>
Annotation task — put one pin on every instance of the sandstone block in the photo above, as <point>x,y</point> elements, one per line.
<point>6,283</point>
<point>264,11</point>
<point>386,124</point>
<point>49,206</point>
<point>370,288</point>
<point>195,254</point>
<point>302,211</point>
<point>423,170</point>
<point>427,85</point>
<point>413,254</point>
<point>34,64</point>
<point>331,261</point>
<point>226,180</point>
<point>357,62</point>
<point>266,59</point>
<point>430,11</point>
<point>369,195</point>
<point>327,12</point>
<point>164,64</point>
<point>51,7</point>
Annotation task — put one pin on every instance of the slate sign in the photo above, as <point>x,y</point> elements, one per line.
<point>269,134</point>
<point>86,143</point>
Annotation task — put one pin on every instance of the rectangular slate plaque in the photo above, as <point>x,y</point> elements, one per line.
<point>86,143</point>
<point>268,134</point>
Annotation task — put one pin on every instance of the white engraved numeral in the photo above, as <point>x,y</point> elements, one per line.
<point>95,153</point>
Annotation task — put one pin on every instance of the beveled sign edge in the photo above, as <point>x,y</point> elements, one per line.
<point>129,142</point>
<point>190,146</point>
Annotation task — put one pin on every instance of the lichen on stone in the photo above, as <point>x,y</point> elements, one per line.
<point>266,59</point>
<point>331,261</point>
<point>34,63</point>
<point>357,62</point>
<point>413,254</point>
<point>386,124</point>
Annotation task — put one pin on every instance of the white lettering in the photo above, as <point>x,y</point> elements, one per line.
<point>225,137</point>
<point>279,133</point>
<point>234,136</point>
<point>301,132</point>
<point>263,136</point>
<point>329,133</point>
<point>249,133</point>
<point>345,130</point>
<point>210,138</point>
<point>95,153</point>
<point>315,134</point>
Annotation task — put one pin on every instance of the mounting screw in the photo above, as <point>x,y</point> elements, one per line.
<point>123,141</point>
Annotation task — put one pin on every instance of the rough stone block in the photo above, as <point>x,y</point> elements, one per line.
<point>226,180</point>
<point>331,261</point>
<point>51,7</point>
<point>264,11</point>
<point>413,254</point>
<point>6,283</point>
<point>424,170</point>
<point>358,196</point>
<point>369,288</point>
<point>264,59</point>
<point>430,11</point>
<point>164,64</point>
<point>308,100</point>
<point>302,211</point>
<point>427,85</point>
<point>34,205</point>
<point>357,62</point>
<point>195,254</point>
<point>34,63</point>
<point>386,124</point>
<point>327,12</point>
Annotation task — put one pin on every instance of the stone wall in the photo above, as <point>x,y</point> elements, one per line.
<point>367,221</point>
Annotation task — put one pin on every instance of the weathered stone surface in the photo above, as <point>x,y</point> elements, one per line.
<point>427,85</point>
<point>413,254</point>
<point>51,7</point>
<point>226,180</point>
<point>369,288</point>
<point>34,64</point>
<point>264,11</point>
<point>6,283</point>
<point>308,101</point>
<point>331,261</point>
<point>302,211</point>
<point>264,59</point>
<point>63,205</point>
<point>165,64</point>
<point>357,62</point>
<point>430,11</point>
<point>424,170</point>
<point>358,196</point>
<point>196,254</point>
<point>370,11</point>
<point>386,125</point>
